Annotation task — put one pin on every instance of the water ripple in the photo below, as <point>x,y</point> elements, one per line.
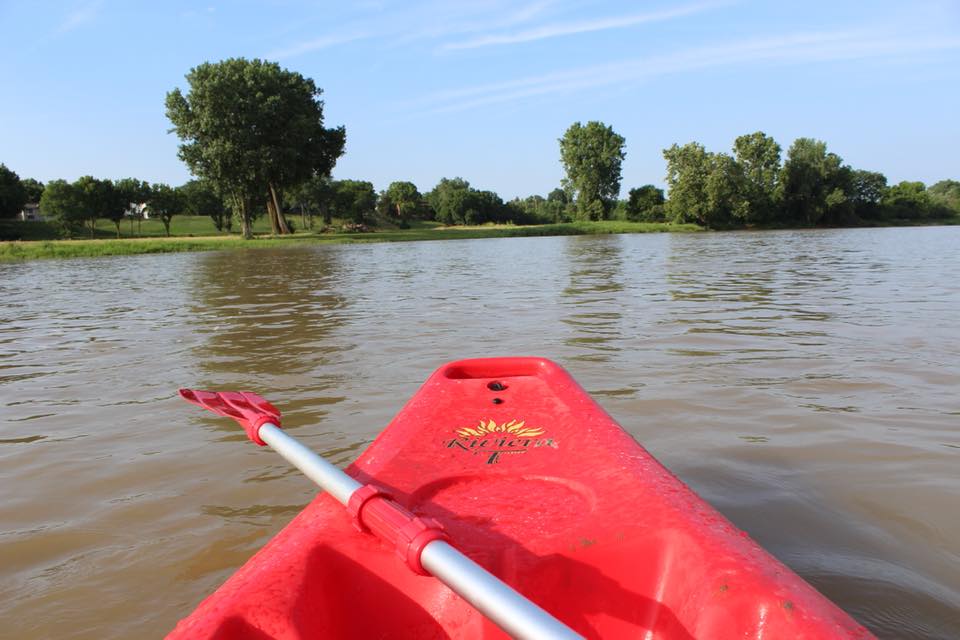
<point>803,382</point>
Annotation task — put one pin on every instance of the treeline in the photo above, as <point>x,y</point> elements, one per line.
<point>811,186</point>
<point>453,201</point>
<point>253,135</point>
<point>253,129</point>
<point>754,186</point>
<point>750,188</point>
<point>76,205</point>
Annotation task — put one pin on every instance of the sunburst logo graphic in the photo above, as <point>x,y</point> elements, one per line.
<point>493,441</point>
<point>513,428</point>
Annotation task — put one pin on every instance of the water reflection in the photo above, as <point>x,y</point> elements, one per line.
<point>263,311</point>
<point>268,321</point>
<point>593,297</point>
<point>743,288</point>
<point>805,383</point>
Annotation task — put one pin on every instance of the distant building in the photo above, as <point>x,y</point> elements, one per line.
<point>137,210</point>
<point>31,212</point>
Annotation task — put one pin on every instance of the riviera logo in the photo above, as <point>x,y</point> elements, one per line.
<point>493,440</point>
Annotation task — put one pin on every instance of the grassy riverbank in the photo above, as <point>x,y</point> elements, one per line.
<point>100,246</point>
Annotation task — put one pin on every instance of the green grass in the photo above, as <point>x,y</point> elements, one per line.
<point>104,230</point>
<point>196,233</point>
<point>16,230</point>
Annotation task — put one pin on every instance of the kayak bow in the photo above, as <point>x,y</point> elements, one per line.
<point>510,461</point>
<point>420,542</point>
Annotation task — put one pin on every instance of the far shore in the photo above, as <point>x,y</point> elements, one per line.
<point>80,248</point>
<point>196,233</point>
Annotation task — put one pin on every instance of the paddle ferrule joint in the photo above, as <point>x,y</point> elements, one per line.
<point>374,511</point>
<point>253,427</point>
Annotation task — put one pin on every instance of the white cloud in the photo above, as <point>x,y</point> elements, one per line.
<point>323,42</point>
<point>787,49</point>
<point>454,18</point>
<point>419,22</point>
<point>583,26</point>
<point>79,17</point>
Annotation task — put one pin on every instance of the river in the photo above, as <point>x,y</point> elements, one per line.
<point>806,383</point>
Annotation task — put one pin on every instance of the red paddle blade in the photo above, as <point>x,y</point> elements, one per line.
<point>248,409</point>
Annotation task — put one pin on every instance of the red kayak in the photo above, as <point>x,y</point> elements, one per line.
<point>510,461</point>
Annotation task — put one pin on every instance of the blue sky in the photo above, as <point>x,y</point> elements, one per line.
<point>483,88</point>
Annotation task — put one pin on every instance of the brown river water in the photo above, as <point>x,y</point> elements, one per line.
<point>806,383</point>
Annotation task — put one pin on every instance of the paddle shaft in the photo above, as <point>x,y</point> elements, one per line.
<point>499,602</point>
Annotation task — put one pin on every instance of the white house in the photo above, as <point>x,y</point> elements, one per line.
<point>31,212</point>
<point>137,210</point>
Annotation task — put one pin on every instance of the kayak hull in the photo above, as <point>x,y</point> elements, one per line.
<point>536,483</point>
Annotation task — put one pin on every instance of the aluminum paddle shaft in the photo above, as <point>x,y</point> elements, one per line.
<point>421,542</point>
<point>328,477</point>
<point>494,598</point>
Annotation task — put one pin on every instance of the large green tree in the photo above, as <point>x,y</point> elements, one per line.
<point>645,204</point>
<point>558,195</point>
<point>354,199</point>
<point>907,200</point>
<point>94,195</point>
<point>163,203</point>
<point>815,184</point>
<point>199,198</point>
<point>688,169</point>
<point>135,193</point>
<point>252,129</point>
<point>868,189</point>
<point>61,202</point>
<point>316,194</point>
<point>533,210</point>
<point>401,198</point>
<point>12,194</point>
<point>483,207</point>
<point>113,203</point>
<point>592,156</point>
<point>945,195</point>
<point>559,206</point>
<point>706,188</point>
<point>33,189</point>
<point>725,190</point>
<point>454,201</point>
<point>758,160</point>
<point>447,199</point>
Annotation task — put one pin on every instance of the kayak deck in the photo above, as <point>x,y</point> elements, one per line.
<point>535,482</point>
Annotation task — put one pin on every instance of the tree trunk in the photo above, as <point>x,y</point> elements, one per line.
<point>117,222</point>
<point>281,221</point>
<point>245,226</point>
<point>272,214</point>
<point>166,224</point>
<point>325,210</point>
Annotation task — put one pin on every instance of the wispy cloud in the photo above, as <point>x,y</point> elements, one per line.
<point>786,49</point>
<point>429,21</point>
<point>526,13</point>
<point>583,26</point>
<point>315,44</point>
<point>79,17</point>
<point>451,18</point>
